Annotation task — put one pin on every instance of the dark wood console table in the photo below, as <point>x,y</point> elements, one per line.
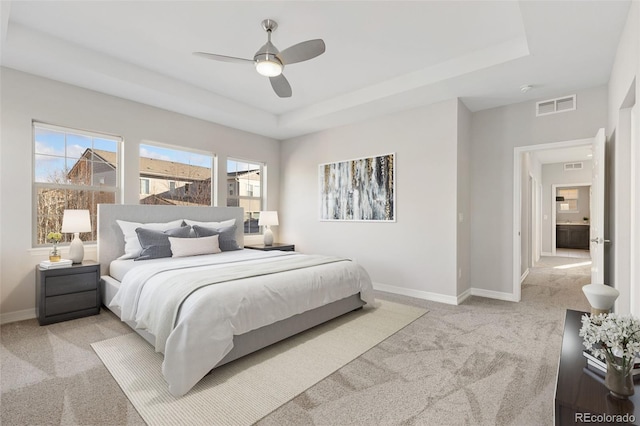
<point>581,390</point>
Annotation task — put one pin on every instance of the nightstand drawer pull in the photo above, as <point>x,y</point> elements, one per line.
<point>64,284</point>
<point>71,302</point>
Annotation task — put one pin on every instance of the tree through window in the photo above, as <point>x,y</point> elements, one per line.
<point>73,169</point>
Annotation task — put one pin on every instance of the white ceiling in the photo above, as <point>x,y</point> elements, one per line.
<point>564,155</point>
<point>381,57</point>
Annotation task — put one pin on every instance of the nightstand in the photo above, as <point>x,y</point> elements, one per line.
<point>67,293</point>
<point>274,246</point>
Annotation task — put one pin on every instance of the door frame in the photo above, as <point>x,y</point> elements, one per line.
<point>554,211</point>
<point>518,152</point>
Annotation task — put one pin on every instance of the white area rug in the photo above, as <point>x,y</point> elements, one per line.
<point>244,391</point>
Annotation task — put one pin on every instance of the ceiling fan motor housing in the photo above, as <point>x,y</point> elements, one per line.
<point>267,63</point>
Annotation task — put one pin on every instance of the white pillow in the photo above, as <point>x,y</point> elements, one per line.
<point>213,225</point>
<point>132,247</point>
<point>182,247</point>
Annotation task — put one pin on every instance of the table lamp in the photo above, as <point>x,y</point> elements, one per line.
<point>268,219</point>
<point>76,221</point>
<point>601,297</point>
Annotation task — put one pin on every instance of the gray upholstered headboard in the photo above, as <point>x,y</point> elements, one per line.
<point>111,239</point>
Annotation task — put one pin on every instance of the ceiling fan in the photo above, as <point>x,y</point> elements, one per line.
<point>270,62</point>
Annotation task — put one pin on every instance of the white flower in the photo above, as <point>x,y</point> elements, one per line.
<point>612,337</point>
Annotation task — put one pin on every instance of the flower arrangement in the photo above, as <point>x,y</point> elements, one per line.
<point>612,337</point>
<point>55,238</point>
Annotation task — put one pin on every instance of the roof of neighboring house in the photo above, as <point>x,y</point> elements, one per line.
<point>151,167</point>
<point>167,198</point>
<point>108,157</point>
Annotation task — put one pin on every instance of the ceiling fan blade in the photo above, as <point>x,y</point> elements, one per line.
<point>281,86</point>
<point>222,57</point>
<point>302,51</point>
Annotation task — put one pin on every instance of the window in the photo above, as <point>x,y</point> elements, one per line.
<point>244,183</point>
<point>569,203</point>
<point>144,186</point>
<point>73,169</point>
<point>175,176</point>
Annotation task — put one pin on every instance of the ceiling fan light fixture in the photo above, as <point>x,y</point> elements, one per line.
<point>269,66</point>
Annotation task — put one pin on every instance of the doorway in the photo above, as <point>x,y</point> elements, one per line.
<point>533,219</point>
<point>570,213</point>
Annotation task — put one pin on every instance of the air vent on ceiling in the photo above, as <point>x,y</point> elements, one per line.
<point>553,106</point>
<point>573,166</point>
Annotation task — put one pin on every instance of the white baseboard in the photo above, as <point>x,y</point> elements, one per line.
<point>524,276</point>
<point>418,294</point>
<point>546,253</point>
<point>25,314</point>
<point>464,296</point>
<point>491,294</point>
<point>442,298</point>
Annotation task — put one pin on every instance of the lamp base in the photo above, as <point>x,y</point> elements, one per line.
<point>268,237</point>
<point>76,249</point>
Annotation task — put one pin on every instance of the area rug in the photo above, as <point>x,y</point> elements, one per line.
<point>244,391</point>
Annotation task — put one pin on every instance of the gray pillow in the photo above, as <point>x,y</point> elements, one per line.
<point>155,244</point>
<point>226,236</point>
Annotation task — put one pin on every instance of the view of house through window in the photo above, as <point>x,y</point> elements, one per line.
<point>170,176</point>
<point>73,169</point>
<point>244,189</point>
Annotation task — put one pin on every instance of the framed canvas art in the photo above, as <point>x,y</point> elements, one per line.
<point>358,190</point>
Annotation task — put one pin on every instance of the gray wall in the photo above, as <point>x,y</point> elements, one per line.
<point>495,134</point>
<point>464,199</point>
<point>416,255</point>
<point>583,209</point>
<point>26,98</point>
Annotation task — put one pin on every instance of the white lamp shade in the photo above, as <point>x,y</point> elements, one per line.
<point>600,296</point>
<point>268,218</point>
<point>76,221</point>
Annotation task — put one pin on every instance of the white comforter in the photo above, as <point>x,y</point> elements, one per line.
<point>211,316</point>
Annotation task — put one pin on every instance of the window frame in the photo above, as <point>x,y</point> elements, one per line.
<point>36,186</point>
<point>147,187</point>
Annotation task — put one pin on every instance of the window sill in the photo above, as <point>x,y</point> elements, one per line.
<point>89,249</point>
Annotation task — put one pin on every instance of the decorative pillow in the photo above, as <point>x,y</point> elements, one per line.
<point>213,225</point>
<point>132,246</point>
<point>155,244</point>
<point>182,247</point>
<point>226,239</point>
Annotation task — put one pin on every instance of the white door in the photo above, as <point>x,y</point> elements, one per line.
<point>597,210</point>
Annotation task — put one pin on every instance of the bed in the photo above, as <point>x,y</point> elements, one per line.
<point>205,311</point>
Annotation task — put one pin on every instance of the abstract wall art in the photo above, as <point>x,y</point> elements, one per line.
<point>358,190</point>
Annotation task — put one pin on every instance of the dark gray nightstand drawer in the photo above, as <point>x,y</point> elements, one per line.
<point>67,293</point>
<point>73,283</point>
<point>70,302</point>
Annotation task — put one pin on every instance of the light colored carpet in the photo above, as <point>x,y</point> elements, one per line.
<point>243,392</point>
<point>485,362</point>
